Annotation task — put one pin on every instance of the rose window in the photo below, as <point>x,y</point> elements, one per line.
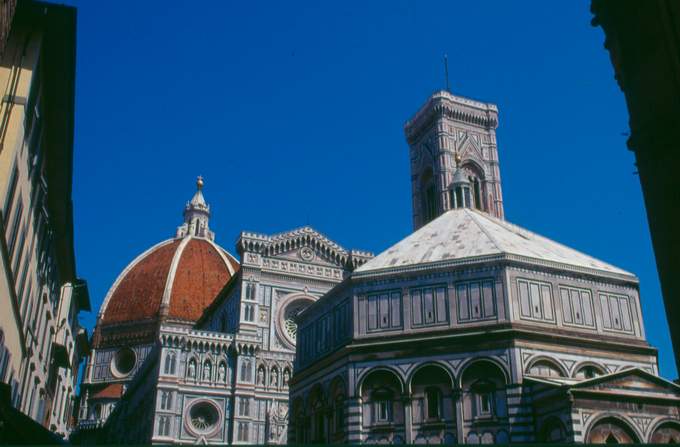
<point>203,416</point>
<point>287,321</point>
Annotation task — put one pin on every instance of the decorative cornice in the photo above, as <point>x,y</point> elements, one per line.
<point>188,339</point>
<point>297,238</point>
<point>456,108</point>
<point>507,258</point>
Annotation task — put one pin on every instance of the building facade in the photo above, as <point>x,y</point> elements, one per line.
<point>221,376</point>
<point>41,341</point>
<point>474,330</point>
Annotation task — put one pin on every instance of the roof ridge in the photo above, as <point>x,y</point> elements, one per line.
<point>481,227</point>
<point>526,233</point>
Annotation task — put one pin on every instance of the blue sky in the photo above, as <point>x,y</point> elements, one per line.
<point>293,113</point>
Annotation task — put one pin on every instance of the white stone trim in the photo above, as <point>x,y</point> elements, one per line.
<point>223,254</point>
<point>170,280</point>
<point>122,275</point>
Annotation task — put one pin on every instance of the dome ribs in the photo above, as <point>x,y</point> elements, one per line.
<point>201,274</point>
<point>138,296</point>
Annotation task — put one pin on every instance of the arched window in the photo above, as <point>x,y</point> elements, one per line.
<point>588,372</point>
<point>170,362</point>
<point>428,196</point>
<point>545,368</point>
<point>666,433</point>
<point>483,384</point>
<point>611,431</point>
<point>246,370</point>
<point>431,390</point>
<point>379,391</point>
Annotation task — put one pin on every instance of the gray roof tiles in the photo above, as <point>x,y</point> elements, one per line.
<point>466,233</point>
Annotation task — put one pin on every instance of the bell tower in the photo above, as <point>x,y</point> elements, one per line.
<point>452,142</point>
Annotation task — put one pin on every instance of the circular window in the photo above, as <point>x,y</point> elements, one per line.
<point>123,362</point>
<point>203,417</point>
<point>307,254</point>
<point>288,314</point>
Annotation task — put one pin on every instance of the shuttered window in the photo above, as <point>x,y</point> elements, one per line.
<point>577,307</point>
<point>383,310</point>
<point>476,300</point>
<point>429,306</point>
<point>616,312</point>
<point>535,300</point>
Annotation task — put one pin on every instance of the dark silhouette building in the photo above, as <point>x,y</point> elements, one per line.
<point>643,40</point>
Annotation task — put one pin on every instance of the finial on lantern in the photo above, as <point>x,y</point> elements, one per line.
<point>199,182</point>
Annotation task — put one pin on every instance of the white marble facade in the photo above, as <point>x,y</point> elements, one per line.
<point>227,379</point>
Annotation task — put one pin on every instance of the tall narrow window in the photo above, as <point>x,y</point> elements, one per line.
<point>383,410</point>
<point>485,399</point>
<point>382,403</point>
<point>428,196</point>
<point>9,200</point>
<point>477,194</point>
<point>431,203</point>
<point>432,395</point>
<point>483,392</point>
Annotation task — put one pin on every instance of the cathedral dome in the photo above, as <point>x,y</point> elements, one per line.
<point>174,280</point>
<point>178,278</point>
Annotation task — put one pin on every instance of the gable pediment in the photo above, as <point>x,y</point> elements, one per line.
<point>631,381</point>
<point>303,245</point>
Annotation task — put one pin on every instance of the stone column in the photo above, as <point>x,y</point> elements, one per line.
<point>408,419</point>
<point>354,420</point>
<point>457,397</point>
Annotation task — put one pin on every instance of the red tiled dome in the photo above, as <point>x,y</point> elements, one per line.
<point>182,275</point>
